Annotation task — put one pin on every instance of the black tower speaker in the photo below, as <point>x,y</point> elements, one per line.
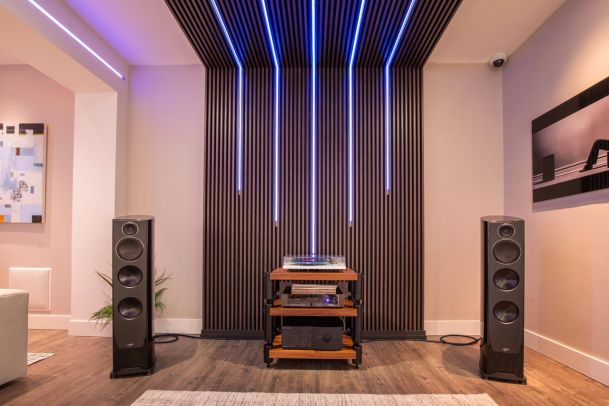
<point>132,295</point>
<point>502,313</point>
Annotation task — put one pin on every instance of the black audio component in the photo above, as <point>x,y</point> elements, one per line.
<point>289,299</point>
<point>313,333</point>
<point>502,310</point>
<point>132,295</point>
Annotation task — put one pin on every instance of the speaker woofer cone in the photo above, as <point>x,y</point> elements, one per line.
<point>130,308</point>
<point>130,276</point>
<point>506,251</point>
<point>506,279</point>
<point>129,249</point>
<point>505,312</point>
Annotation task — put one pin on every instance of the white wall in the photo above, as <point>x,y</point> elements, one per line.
<point>567,273</point>
<point>165,176</point>
<point>93,202</point>
<point>29,96</point>
<point>99,133</point>
<point>463,178</point>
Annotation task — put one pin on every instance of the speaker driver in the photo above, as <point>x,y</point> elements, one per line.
<point>130,308</point>
<point>129,249</point>
<point>130,276</point>
<point>505,312</point>
<point>506,230</point>
<point>506,279</point>
<point>130,229</point>
<point>506,251</point>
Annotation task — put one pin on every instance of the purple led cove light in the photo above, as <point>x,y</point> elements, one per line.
<point>239,97</point>
<point>313,132</point>
<point>75,38</point>
<point>275,117</point>
<point>388,96</point>
<point>350,99</point>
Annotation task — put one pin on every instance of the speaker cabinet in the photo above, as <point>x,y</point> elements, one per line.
<point>502,310</point>
<point>132,295</point>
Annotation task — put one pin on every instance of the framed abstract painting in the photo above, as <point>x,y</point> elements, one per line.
<point>22,172</point>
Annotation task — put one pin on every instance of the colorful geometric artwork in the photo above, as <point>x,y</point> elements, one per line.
<point>22,172</point>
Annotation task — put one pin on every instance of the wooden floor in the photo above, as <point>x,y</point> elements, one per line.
<point>78,373</point>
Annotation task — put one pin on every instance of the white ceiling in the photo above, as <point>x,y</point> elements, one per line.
<point>482,28</point>
<point>144,32</point>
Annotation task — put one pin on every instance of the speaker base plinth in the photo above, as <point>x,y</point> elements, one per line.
<point>503,377</point>
<point>127,372</point>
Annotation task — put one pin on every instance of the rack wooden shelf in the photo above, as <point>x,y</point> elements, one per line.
<point>347,351</point>
<point>273,310</point>
<point>281,274</point>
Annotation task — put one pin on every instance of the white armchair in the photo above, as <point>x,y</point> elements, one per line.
<point>13,334</point>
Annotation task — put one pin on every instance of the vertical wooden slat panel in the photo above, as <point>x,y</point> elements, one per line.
<point>385,242</point>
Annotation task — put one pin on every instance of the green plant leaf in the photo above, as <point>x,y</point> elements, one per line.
<point>104,315</point>
<point>159,293</point>
<point>161,279</point>
<point>160,306</point>
<point>105,278</point>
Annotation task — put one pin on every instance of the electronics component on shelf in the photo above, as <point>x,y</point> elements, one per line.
<point>312,333</point>
<point>301,289</point>
<point>314,262</point>
<point>291,299</point>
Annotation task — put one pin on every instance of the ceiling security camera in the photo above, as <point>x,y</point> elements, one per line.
<point>498,60</point>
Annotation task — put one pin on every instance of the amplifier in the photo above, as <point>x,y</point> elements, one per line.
<point>289,299</point>
<point>312,333</point>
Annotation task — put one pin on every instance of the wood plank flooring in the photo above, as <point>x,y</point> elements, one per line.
<point>78,373</point>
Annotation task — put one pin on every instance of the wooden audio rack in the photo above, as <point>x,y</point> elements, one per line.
<point>273,311</point>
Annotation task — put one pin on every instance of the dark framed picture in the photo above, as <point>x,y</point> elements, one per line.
<point>570,145</point>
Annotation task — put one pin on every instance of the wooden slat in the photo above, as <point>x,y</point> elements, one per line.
<point>241,241</point>
<point>290,21</point>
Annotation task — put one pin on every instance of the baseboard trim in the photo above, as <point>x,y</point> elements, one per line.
<point>91,328</point>
<point>88,328</point>
<point>418,335</point>
<point>443,327</point>
<point>48,321</point>
<point>589,365</point>
<point>233,334</point>
<point>181,326</point>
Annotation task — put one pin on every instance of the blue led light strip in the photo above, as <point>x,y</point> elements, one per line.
<point>275,118</point>
<point>388,96</point>
<point>239,97</point>
<point>75,38</point>
<point>350,126</point>
<point>313,131</point>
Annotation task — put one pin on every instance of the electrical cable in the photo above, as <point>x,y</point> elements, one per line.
<point>442,340</point>
<point>173,337</point>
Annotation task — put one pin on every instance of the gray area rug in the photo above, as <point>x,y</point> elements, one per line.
<point>187,398</point>
<point>33,357</point>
